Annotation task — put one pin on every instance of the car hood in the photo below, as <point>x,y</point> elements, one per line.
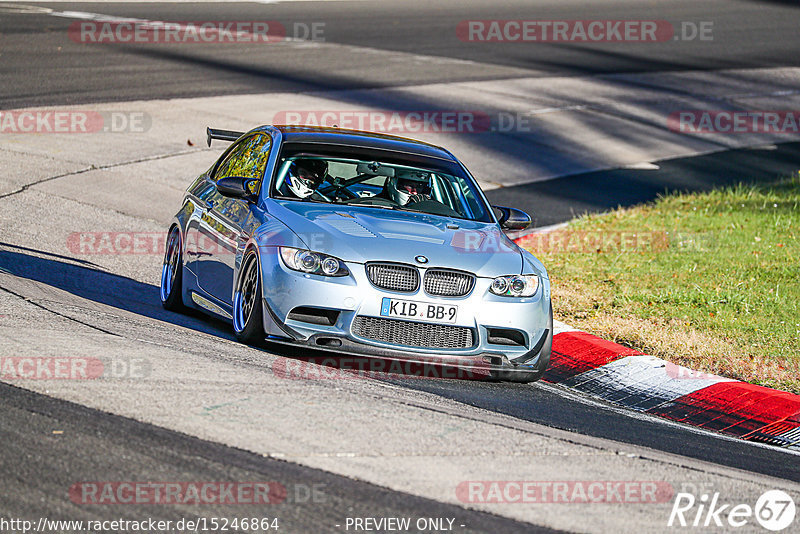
<point>358,234</point>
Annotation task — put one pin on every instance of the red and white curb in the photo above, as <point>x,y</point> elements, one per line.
<point>647,384</point>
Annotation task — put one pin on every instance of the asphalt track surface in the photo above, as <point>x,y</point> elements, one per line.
<point>555,201</point>
<point>131,450</point>
<point>37,68</point>
<point>40,66</point>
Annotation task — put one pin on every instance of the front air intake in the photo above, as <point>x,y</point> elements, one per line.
<point>434,336</point>
<point>307,314</point>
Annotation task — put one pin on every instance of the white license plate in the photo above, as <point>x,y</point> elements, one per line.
<point>421,311</point>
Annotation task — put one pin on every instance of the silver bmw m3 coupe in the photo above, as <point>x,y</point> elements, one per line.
<point>358,243</point>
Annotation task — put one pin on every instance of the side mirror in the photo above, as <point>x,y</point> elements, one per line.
<point>512,218</point>
<point>235,187</point>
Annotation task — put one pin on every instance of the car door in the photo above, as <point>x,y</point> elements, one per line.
<point>220,229</point>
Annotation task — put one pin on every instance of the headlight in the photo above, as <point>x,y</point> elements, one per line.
<point>306,261</point>
<point>520,285</point>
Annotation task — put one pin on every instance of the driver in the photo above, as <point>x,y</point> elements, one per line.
<point>408,186</point>
<point>305,176</point>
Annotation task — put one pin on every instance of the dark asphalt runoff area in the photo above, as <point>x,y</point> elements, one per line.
<point>50,446</point>
<point>40,66</point>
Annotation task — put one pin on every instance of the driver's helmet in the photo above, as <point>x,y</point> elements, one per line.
<point>305,176</point>
<point>406,184</point>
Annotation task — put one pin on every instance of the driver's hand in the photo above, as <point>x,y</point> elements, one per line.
<point>417,198</point>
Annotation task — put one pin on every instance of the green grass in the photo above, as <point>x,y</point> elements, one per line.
<point>711,280</point>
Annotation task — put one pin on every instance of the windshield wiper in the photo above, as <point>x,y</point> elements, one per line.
<point>306,199</point>
<point>369,205</point>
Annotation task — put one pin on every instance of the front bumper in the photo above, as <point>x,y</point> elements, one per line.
<point>351,296</point>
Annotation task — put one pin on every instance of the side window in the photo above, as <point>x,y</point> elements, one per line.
<point>247,159</point>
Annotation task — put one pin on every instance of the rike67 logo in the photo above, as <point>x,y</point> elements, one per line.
<point>774,510</point>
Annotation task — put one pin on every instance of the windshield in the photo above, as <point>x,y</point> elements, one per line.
<point>380,185</point>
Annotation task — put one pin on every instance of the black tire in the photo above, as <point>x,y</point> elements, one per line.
<point>172,273</point>
<point>248,312</point>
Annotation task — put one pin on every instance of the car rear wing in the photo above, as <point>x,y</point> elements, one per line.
<point>222,135</point>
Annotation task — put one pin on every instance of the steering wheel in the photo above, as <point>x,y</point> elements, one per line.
<point>337,190</point>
